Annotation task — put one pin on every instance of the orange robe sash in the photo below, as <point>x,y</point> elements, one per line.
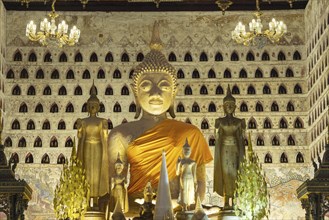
<point>144,153</point>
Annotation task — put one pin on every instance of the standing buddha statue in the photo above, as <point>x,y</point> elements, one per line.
<point>92,148</point>
<point>229,150</point>
<point>119,187</point>
<point>186,169</point>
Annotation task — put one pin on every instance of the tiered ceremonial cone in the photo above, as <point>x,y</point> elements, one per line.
<point>163,207</point>
<point>199,213</point>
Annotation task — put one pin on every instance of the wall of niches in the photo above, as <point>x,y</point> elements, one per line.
<point>266,82</point>
<point>317,28</point>
<point>69,91</point>
<point>46,87</point>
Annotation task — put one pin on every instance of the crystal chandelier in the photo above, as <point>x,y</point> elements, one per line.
<point>256,36</point>
<point>49,31</point>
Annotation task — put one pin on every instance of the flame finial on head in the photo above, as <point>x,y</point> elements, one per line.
<point>186,145</point>
<point>229,97</point>
<point>93,94</point>
<point>156,43</point>
<point>118,161</point>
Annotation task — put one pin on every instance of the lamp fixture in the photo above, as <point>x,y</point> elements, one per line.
<point>290,2</point>
<point>49,31</point>
<point>256,36</point>
<point>84,3</point>
<point>25,2</point>
<point>224,4</point>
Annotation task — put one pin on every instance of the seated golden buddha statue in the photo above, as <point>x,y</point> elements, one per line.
<point>92,148</point>
<point>141,142</point>
<point>229,150</point>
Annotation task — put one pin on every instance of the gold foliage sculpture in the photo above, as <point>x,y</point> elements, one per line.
<point>252,198</point>
<point>72,192</point>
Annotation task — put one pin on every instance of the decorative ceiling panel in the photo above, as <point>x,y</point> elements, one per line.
<point>151,5</point>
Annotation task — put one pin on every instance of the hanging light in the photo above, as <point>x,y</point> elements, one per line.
<point>224,4</point>
<point>84,3</point>
<point>49,31</point>
<point>255,35</point>
<point>27,2</point>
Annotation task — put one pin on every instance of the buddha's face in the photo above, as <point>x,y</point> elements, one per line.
<point>92,107</point>
<point>229,107</point>
<point>187,152</point>
<point>118,168</point>
<point>155,92</point>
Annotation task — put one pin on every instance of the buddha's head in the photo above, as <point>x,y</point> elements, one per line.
<point>229,103</point>
<point>118,165</point>
<point>186,150</point>
<point>93,104</point>
<point>148,192</point>
<point>154,81</point>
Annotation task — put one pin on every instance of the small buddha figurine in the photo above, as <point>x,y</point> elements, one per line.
<point>141,142</point>
<point>229,150</point>
<point>119,187</point>
<point>186,169</point>
<point>148,192</point>
<point>92,149</point>
<point>147,208</point>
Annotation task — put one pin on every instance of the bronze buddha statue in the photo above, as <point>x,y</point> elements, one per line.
<point>92,148</point>
<point>229,150</point>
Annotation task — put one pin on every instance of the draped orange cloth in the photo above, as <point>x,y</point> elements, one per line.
<point>144,153</point>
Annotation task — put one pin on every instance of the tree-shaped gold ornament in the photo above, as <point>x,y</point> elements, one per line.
<point>251,196</point>
<point>72,192</point>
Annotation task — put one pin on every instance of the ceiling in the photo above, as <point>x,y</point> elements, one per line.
<point>149,5</point>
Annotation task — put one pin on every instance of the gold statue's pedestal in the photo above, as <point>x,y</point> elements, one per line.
<point>187,215</point>
<point>94,215</point>
<point>227,215</point>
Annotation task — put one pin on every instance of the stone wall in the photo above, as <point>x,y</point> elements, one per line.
<point>317,44</point>
<point>129,33</point>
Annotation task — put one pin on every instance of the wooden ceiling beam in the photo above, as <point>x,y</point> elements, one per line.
<point>112,6</point>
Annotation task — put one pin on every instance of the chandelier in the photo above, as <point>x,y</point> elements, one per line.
<point>256,36</point>
<point>49,31</point>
